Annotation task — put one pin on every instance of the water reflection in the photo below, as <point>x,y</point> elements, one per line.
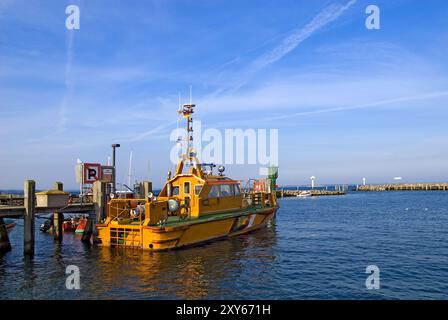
<point>195,273</point>
<point>29,274</point>
<point>215,270</point>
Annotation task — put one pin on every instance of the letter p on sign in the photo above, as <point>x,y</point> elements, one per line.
<point>92,172</point>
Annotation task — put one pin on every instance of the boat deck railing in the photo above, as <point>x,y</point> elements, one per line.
<point>127,210</point>
<point>258,193</point>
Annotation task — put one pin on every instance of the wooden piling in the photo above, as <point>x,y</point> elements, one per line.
<point>88,230</point>
<point>29,191</point>
<point>5,245</point>
<point>100,201</point>
<point>59,186</point>
<point>58,218</point>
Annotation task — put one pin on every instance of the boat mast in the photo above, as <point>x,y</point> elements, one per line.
<point>190,156</point>
<point>187,111</point>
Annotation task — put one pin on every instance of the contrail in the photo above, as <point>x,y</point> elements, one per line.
<point>69,83</point>
<point>151,132</point>
<point>430,95</point>
<point>327,15</point>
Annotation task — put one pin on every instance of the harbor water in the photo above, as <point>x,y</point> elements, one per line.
<point>319,248</point>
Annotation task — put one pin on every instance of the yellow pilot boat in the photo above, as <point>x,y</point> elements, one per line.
<point>192,208</point>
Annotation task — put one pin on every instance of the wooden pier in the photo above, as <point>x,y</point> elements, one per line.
<point>404,187</point>
<point>11,200</point>
<point>28,211</point>
<point>25,207</point>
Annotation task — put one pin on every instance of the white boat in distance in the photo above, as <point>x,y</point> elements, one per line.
<point>304,194</point>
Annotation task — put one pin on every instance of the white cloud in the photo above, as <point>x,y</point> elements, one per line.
<point>290,94</point>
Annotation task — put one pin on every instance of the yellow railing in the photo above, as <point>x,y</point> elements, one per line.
<point>123,209</point>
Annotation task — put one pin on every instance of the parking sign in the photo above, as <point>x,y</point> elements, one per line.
<point>92,172</point>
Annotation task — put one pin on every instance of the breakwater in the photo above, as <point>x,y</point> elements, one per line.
<point>313,193</point>
<point>404,187</point>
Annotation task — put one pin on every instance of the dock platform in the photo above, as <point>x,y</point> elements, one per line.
<point>24,207</point>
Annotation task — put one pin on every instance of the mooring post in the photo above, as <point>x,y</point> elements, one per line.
<point>87,230</point>
<point>99,202</point>
<point>59,186</point>
<point>58,218</point>
<point>99,199</point>
<point>29,191</point>
<point>5,245</point>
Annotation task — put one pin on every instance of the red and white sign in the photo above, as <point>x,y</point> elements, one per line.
<point>92,172</point>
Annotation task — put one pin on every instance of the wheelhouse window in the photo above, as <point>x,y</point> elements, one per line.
<point>226,190</point>
<point>187,187</point>
<point>214,192</point>
<point>197,189</point>
<point>237,189</point>
<point>175,190</point>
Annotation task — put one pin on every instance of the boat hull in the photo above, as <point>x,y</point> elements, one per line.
<point>189,233</point>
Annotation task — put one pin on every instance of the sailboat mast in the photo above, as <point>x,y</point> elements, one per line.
<point>130,169</point>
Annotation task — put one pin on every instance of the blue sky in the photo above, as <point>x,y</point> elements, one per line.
<point>348,102</point>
